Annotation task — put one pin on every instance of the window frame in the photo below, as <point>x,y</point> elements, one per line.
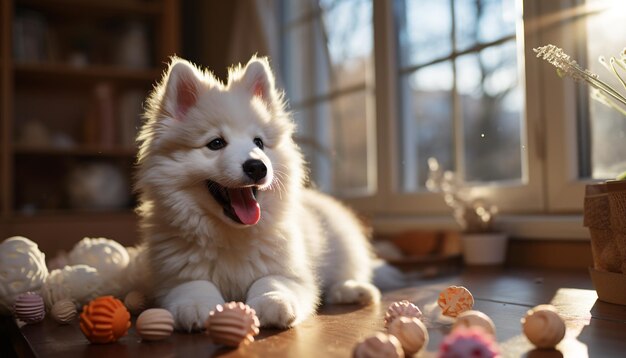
<point>312,102</point>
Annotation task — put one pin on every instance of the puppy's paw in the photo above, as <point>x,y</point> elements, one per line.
<point>274,309</point>
<point>351,291</point>
<point>190,316</point>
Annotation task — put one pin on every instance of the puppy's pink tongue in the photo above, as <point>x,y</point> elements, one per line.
<point>245,205</point>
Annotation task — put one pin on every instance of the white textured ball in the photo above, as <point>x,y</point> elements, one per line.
<point>106,256</point>
<point>543,326</point>
<point>79,283</point>
<point>22,269</point>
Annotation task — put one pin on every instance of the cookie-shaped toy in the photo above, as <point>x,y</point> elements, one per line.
<point>454,300</point>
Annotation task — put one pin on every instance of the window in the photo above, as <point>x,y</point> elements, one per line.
<point>330,85</point>
<point>460,93</point>
<point>456,80</point>
<point>603,129</point>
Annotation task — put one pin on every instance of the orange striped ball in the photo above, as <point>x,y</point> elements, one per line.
<point>104,320</point>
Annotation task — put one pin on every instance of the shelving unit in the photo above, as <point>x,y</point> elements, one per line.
<point>71,88</point>
<point>48,74</point>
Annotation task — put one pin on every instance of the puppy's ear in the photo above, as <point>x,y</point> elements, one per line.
<point>257,79</point>
<point>183,84</point>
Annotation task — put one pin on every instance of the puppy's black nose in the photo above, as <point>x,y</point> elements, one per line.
<point>255,169</point>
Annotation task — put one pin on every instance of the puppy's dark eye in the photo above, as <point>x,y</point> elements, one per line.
<point>258,142</point>
<point>217,144</point>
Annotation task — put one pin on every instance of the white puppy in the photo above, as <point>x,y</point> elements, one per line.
<point>225,216</point>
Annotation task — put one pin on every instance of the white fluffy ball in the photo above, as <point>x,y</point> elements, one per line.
<point>22,268</point>
<point>106,256</point>
<point>80,283</point>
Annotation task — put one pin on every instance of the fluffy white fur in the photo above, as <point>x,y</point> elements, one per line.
<point>305,243</point>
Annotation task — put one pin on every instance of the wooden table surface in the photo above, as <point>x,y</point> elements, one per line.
<point>594,328</point>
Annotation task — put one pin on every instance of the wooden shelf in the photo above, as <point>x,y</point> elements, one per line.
<point>73,214</point>
<point>82,151</point>
<point>39,86</point>
<point>94,7</point>
<point>42,73</point>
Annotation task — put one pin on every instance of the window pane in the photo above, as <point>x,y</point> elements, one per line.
<point>351,128</point>
<point>607,127</point>
<point>334,138</point>
<point>427,127</point>
<point>314,138</point>
<point>299,51</point>
<point>296,10</point>
<point>481,21</point>
<point>425,29</point>
<point>328,70</point>
<point>491,107</point>
<point>349,31</point>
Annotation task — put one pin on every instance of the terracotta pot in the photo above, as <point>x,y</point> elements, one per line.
<point>616,192</point>
<point>606,256</point>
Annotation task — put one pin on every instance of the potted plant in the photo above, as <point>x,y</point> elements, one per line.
<point>482,244</point>
<point>605,202</point>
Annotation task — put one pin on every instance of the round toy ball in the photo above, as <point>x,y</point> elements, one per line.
<point>79,283</point>
<point>22,269</point>
<point>135,302</point>
<point>29,307</point>
<point>155,324</point>
<point>473,318</point>
<point>380,345</point>
<point>64,311</point>
<point>543,326</point>
<point>469,343</point>
<point>454,300</point>
<point>104,320</point>
<point>107,256</point>
<point>402,308</point>
<point>411,333</point>
<point>232,324</point>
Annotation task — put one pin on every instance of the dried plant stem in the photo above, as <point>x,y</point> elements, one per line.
<point>601,85</point>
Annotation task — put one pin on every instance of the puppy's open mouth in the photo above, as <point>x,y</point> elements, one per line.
<point>239,204</point>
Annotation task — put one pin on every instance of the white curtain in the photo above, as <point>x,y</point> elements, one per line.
<point>256,30</point>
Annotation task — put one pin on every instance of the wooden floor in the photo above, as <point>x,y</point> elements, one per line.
<point>594,328</point>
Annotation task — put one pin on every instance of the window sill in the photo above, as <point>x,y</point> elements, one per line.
<point>531,227</point>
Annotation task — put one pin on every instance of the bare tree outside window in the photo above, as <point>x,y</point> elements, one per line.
<point>461,98</point>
